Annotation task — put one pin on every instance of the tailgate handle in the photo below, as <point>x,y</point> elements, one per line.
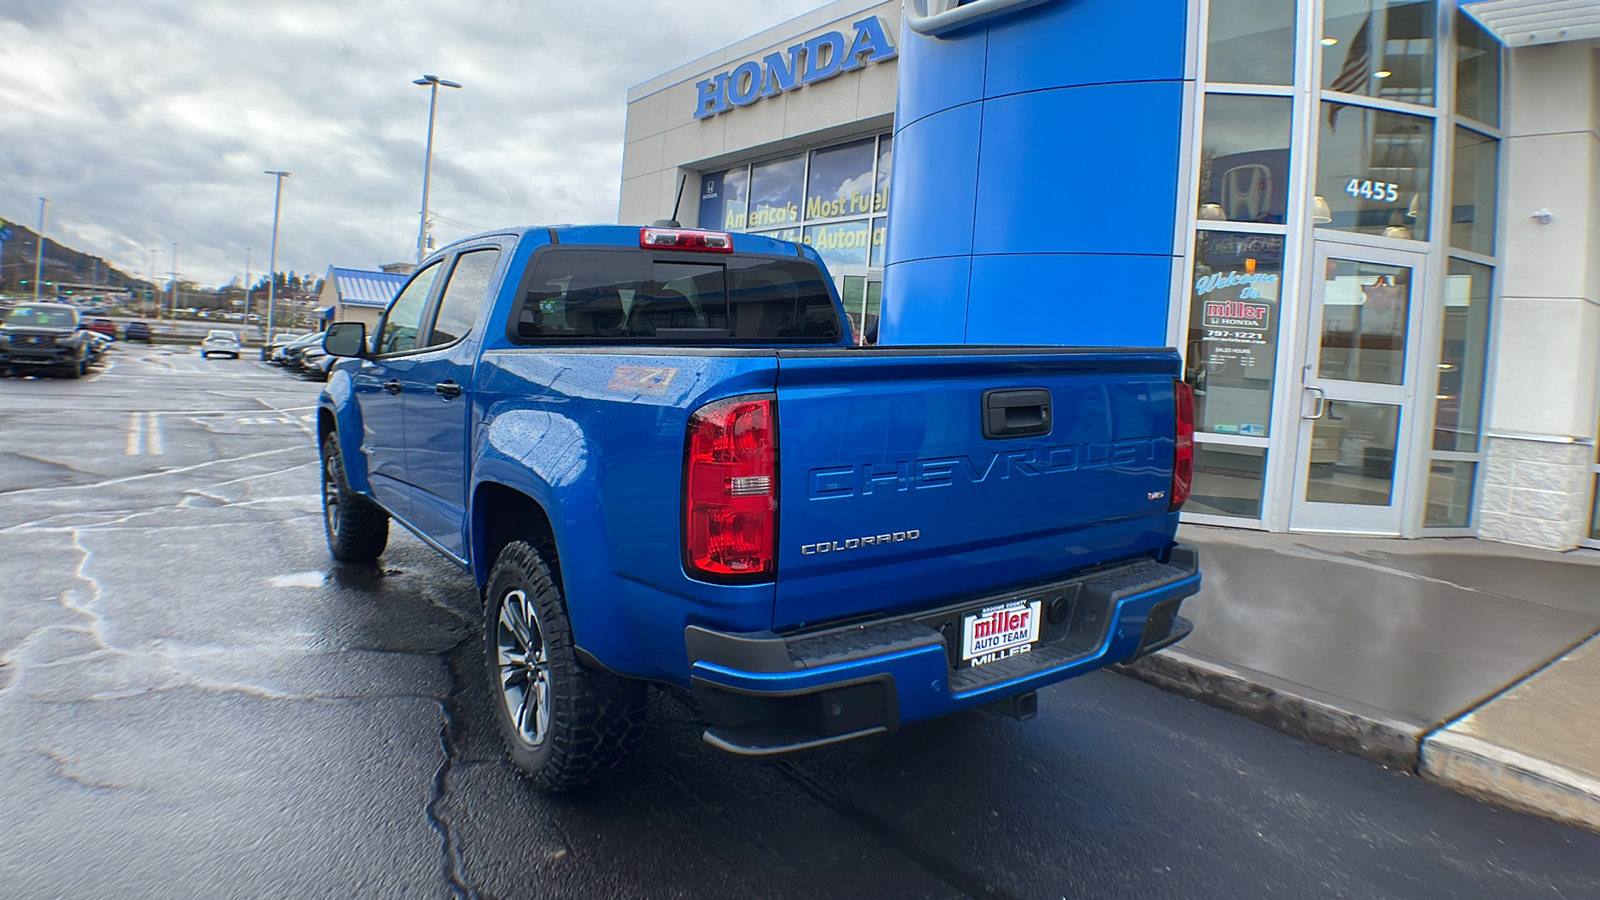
<point>1016,413</point>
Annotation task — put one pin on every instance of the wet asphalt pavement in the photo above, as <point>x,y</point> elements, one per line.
<point>195,702</point>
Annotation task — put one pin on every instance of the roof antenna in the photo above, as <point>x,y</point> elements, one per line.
<point>673,222</point>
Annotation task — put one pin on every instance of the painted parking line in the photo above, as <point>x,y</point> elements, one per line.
<point>144,434</point>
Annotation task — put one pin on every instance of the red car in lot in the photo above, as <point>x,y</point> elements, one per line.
<point>103,326</point>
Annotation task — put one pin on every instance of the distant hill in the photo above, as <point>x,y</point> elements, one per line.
<point>61,264</point>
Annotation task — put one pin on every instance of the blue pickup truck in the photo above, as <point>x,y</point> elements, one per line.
<point>664,460</point>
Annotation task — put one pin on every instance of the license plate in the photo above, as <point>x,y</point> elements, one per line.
<point>996,632</point>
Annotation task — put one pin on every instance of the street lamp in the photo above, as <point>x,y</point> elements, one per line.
<point>173,287</point>
<point>272,266</point>
<point>38,257</point>
<point>433,82</point>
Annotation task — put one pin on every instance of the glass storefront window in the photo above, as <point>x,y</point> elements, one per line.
<point>1473,185</point>
<point>841,244</point>
<point>1228,480</point>
<point>1477,71</point>
<point>722,199</point>
<point>1233,331</point>
<point>842,181</point>
<point>1366,316</point>
<point>1374,169</point>
<point>1450,484</point>
<point>853,294</point>
<point>1380,48</point>
<point>1244,158</point>
<point>880,203</point>
<point>1463,357</point>
<point>880,241</point>
<point>1250,42</point>
<point>776,187</point>
<point>874,305</point>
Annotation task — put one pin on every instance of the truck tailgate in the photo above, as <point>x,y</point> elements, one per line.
<point>893,496</point>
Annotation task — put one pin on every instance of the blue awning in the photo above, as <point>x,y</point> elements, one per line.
<point>356,287</point>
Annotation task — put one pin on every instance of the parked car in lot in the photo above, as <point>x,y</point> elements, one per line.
<point>99,345</point>
<point>289,355</point>
<point>44,337</point>
<point>220,343</point>
<point>315,363</point>
<point>138,331</point>
<point>278,342</point>
<point>103,326</point>
<point>663,459</point>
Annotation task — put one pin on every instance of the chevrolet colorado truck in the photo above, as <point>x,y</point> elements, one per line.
<point>664,462</point>
<point>44,337</point>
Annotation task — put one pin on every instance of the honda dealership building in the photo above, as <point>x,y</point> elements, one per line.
<point>1372,227</point>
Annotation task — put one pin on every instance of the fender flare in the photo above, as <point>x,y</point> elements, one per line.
<point>338,399</point>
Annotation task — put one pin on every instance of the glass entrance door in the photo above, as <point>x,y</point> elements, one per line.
<point>1359,391</point>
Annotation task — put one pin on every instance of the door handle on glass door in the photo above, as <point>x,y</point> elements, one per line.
<point>1322,403</point>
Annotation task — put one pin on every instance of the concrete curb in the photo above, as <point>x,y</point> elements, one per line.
<point>1490,772</point>
<point>1460,762</point>
<point>1474,766</point>
<point>1284,706</point>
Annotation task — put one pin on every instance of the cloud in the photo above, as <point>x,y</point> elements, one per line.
<point>151,122</point>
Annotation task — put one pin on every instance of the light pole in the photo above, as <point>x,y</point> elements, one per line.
<point>154,274</point>
<point>38,258</point>
<point>272,267</point>
<point>244,323</point>
<point>433,82</point>
<point>174,313</point>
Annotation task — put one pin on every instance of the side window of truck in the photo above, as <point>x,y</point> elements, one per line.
<point>399,334</point>
<point>464,296</point>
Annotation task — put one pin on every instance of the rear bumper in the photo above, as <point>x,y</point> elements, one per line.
<point>766,693</point>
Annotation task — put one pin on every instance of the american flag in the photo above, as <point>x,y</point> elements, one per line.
<point>1357,70</point>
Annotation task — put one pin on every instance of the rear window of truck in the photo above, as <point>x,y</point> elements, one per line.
<point>607,295</point>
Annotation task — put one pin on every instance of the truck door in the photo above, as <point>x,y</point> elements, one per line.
<point>438,401</point>
<point>378,385</point>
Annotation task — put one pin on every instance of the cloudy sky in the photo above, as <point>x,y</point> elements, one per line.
<point>148,122</point>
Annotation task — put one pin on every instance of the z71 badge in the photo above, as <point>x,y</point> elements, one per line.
<point>642,379</point>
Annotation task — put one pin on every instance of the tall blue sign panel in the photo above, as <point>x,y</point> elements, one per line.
<point>1037,159</point>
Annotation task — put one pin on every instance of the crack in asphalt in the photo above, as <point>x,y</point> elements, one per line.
<point>930,860</point>
<point>878,828</point>
<point>449,743</point>
<point>66,774</point>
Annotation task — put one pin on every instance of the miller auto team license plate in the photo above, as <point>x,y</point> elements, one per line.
<point>996,632</point>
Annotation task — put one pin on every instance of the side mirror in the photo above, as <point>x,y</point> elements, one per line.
<point>346,339</point>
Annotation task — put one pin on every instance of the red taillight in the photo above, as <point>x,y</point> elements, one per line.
<point>685,239</point>
<point>1183,446</point>
<point>731,490</point>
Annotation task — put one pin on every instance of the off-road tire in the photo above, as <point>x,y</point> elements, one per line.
<point>596,719</point>
<point>357,528</point>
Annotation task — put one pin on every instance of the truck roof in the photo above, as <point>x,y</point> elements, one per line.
<point>628,236</point>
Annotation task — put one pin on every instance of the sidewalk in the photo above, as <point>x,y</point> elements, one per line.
<point>1460,659</point>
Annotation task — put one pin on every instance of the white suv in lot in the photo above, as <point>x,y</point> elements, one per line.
<point>222,343</point>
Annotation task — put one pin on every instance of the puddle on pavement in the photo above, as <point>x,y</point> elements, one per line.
<point>301,580</point>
